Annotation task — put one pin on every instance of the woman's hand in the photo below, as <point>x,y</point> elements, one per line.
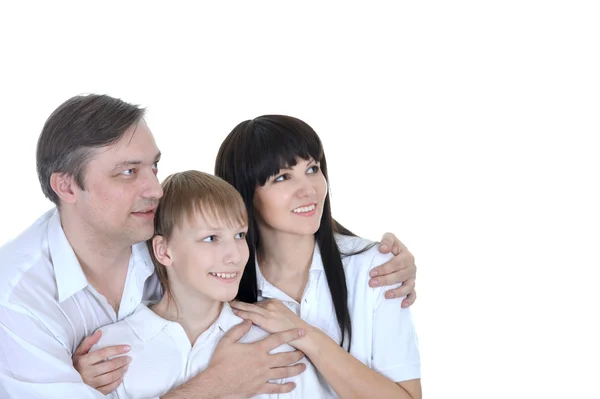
<point>271,315</point>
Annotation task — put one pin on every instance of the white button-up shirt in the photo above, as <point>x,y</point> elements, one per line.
<point>163,357</point>
<point>47,307</point>
<point>383,334</point>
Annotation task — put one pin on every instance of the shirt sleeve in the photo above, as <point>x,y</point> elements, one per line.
<point>395,344</point>
<point>33,363</point>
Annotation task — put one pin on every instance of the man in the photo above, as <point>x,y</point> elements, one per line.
<point>84,264</point>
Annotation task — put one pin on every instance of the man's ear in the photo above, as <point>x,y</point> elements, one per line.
<point>63,185</point>
<point>161,250</point>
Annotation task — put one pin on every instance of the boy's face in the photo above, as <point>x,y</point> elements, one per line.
<point>208,257</point>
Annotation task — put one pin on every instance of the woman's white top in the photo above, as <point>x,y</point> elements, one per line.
<point>383,334</point>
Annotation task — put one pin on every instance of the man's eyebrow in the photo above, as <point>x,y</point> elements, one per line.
<point>131,162</point>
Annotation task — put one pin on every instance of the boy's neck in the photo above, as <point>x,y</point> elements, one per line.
<point>193,312</point>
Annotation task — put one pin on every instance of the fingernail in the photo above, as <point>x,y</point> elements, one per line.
<point>126,348</point>
<point>373,273</point>
<point>129,359</point>
<point>374,282</point>
<point>301,332</point>
<point>389,295</point>
<point>384,247</point>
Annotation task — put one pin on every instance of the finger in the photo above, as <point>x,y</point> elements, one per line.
<point>401,291</point>
<point>386,243</point>
<point>400,276</point>
<point>101,355</point>
<point>280,338</point>
<point>286,372</point>
<point>106,389</point>
<point>392,265</point>
<point>255,318</point>
<point>109,366</point>
<point>87,343</point>
<point>248,307</point>
<point>410,299</point>
<point>109,378</point>
<point>273,388</point>
<point>286,358</point>
<point>237,332</point>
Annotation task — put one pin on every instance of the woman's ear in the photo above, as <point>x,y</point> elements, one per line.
<point>161,250</point>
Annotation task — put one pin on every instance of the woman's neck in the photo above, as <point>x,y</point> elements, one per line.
<point>285,259</point>
<point>192,310</point>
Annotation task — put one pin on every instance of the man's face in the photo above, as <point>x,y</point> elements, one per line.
<point>121,189</point>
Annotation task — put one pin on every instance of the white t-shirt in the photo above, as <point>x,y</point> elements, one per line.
<point>383,334</point>
<point>47,307</point>
<point>163,358</point>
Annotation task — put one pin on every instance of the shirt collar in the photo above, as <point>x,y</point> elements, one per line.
<point>67,270</point>
<point>227,319</point>
<point>146,324</point>
<point>68,273</point>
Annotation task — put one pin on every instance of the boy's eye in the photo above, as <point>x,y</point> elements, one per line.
<point>210,239</point>
<point>241,235</point>
<point>128,172</point>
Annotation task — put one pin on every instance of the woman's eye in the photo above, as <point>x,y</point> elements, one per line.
<point>240,235</point>
<point>313,169</point>
<point>281,178</point>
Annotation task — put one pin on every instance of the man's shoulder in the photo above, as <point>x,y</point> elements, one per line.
<point>26,251</point>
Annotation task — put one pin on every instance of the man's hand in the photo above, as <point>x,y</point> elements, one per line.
<point>94,368</point>
<point>239,370</point>
<point>400,269</point>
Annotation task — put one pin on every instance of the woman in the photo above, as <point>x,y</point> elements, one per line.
<point>313,270</point>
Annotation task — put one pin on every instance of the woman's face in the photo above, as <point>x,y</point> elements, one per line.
<point>292,200</point>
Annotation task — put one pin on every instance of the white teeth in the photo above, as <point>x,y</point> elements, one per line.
<point>225,275</point>
<point>304,209</point>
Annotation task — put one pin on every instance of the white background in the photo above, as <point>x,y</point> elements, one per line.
<point>469,129</point>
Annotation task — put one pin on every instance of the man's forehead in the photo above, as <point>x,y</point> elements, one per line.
<point>133,145</point>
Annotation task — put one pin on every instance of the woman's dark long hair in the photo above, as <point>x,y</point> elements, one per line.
<point>254,151</point>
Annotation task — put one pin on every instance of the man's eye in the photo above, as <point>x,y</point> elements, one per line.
<point>210,239</point>
<point>128,172</point>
